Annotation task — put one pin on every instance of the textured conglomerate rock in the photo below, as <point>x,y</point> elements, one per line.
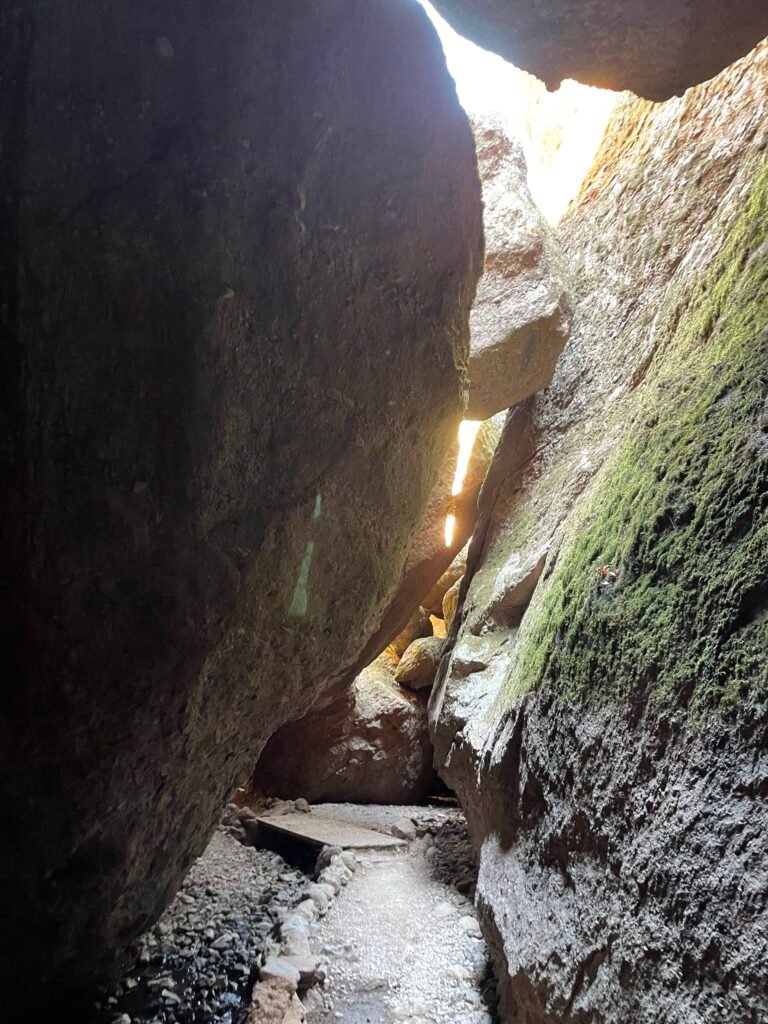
<point>521,317</point>
<point>656,48</point>
<point>602,712</point>
<point>240,243</point>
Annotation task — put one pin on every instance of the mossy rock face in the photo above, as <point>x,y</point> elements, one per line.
<point>661,584</point>
<point>609,741</point>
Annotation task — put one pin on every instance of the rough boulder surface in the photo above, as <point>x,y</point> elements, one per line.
<point>656,48</point>
<point>602,708</point>
<point>239,247</point>
<point>519,324</point>
<point>418,666</point>
<point>367,744</point>
<point>521,317</point>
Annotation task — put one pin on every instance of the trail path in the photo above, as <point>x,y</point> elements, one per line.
<point>402,945</point>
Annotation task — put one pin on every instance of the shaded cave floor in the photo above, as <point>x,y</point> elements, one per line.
<point>399,942</point>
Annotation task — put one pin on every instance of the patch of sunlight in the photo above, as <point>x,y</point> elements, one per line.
<point>560,132</point>
<point>450,526</point>
<point>467,433</point>
<point>300,600</point>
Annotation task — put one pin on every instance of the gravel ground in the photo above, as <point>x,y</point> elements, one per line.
<point>198,963</point>
<point>401,942</point>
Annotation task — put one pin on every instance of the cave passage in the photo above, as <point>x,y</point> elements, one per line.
<point>363,910</point>
<point>377,925</point>
<point>385,462</point>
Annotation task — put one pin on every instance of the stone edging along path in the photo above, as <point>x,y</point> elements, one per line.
<point>290,967</point>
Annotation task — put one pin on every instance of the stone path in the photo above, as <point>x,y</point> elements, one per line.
<point>402,946</point>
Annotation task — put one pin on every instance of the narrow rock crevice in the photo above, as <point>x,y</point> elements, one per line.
<point>375,447</point>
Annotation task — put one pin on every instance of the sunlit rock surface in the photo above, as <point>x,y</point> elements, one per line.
<point>656,48</point>
<point>418,665</point>
<point>235,293</point>
<point>602,708</point>
<point>521,318</point>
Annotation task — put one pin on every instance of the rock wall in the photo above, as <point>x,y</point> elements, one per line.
<point>240,244</point>
<point>655,48</point>
<point>518,326</point>
<point>369,744</point>
<point>602,710</point>
<point>429,556</point>
<point>520,321</point>
<point>521,317</point>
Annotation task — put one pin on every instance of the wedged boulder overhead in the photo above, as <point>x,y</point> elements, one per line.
<point>521,318</point>
<point>240,244</point>
<point>603,706</point>
<point>655,48</point>
<point>368,743</point>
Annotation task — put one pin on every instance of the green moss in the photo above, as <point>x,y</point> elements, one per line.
<point>680,512</point>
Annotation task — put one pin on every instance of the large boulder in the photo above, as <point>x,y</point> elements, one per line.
<point>369,744</point>
<point>654,47</point>
<point>239,247</point>
<point>418,666</point>
<point>602,707</point>
<point>521,318</point>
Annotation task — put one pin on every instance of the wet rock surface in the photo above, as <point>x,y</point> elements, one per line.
<point>655,49</point>
<point>235,297</point>
<point>601,707</point>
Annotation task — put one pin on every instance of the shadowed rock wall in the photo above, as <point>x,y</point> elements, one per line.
<point>602,707</point>
<point>240,243</point>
